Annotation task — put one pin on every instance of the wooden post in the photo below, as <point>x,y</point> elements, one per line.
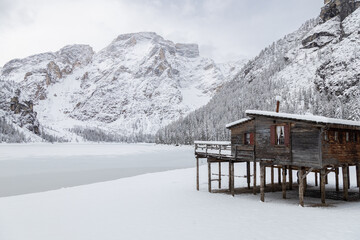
<point>326,179</point>
<point>209,176</point>
<point>337,179</point>
<point>301,187</point>
<point>272,179</point>
<point>279,176</point>
<point>264,177</point>
<point>220,175</point>
<point>248,174</point>
<point>358,175</point>
<point>232,180</point>
<point>262,181</point>
<point>348,174</point>
<point>322,185</point>
<point>290,178</point>
<point>284,182</point>
<point>316,179</point>
<point>230,175</point>
<point>345,182</point>
<point>197,174</point>
<point>254,178</point>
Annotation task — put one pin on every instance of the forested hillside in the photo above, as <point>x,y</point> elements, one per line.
<point>315,70</point>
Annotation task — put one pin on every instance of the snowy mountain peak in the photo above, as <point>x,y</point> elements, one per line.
<point>137,84</point>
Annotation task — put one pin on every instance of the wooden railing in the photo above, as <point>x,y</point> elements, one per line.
<point>213,148</point>
<point>225,149</point>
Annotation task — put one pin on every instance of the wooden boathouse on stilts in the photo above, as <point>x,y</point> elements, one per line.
<point>286,142</point>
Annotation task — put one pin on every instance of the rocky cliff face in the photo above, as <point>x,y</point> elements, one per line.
<point>136,84</point>
<point>35,73</point>
<point>341,8</point>
<point>18,120</point>
<point>24,111</point>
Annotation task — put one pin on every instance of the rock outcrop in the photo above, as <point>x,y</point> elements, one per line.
<point>24,111</point>
<point>342,8</point>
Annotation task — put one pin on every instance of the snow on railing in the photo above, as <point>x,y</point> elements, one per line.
<point>216,147</point>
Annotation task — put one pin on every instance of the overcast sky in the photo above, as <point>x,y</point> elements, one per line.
<point>225,30</point>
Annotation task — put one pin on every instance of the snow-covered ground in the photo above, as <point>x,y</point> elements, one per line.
<point>27,168</point>
<point>165,205</point>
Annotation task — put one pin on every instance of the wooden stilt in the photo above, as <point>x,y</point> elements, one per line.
<point>305,183</point>
<point>326,179</point>
<point>248,174</point>
<point>284,182</point>
<point>232,179</point>
<point>230,175</point>
<point>316,179</point>
<point>290,178</point>
<point>337,179</point>
<point>254,178</point>
<point>272,179</point>
<point>220,175</point>
<point>358,175</point>
<point>197,174</point>
<point>279,176</point>
<point>262,182</point>
<point>322,185</point>
<point>345,182</point>
<point>301,187</point>
<point>209,176</point>
<point>348,174</point>
<point>264,177</point>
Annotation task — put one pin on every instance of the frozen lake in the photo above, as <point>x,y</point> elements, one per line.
<point>29,168</point>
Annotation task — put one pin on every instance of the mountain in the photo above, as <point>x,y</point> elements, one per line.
<point>136,85</point>
<point>316,70</point>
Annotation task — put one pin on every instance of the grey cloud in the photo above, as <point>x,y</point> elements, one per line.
<point>224,29</point>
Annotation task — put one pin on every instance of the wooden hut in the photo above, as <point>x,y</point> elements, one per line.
<point>287,142</point>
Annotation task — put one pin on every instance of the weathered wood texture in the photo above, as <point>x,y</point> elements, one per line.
<point>305,145</point>
<point>284,182</point>
<point>244,151</point>
<point>290,178</point>
<point>345,182</point>
<point>232,177</point>
<point>337,179</point>
<point>322,185</point>
<point>272,179</point>
<point>254,178</point>
<point>262,182</point>
<point>220,175</point>
<point>264,147</point>
<point>342,146</point>
<point>209,176</point>
<point>248,174</point>
<point>197,174</point>
<point>301,187</point>
<point>358,175</point>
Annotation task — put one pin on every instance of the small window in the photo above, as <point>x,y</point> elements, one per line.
<point>347,136</point>
<point>247,139</point>
<point>280,135</point>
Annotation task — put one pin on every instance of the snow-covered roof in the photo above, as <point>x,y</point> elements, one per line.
<point>212,143</point>
<point>244,120</point>
<point>310,118</point>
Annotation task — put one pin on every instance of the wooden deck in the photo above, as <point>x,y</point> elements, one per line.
<point>225,152</point>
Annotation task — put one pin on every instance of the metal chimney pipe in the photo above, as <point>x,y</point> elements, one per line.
<point>278,99</point>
